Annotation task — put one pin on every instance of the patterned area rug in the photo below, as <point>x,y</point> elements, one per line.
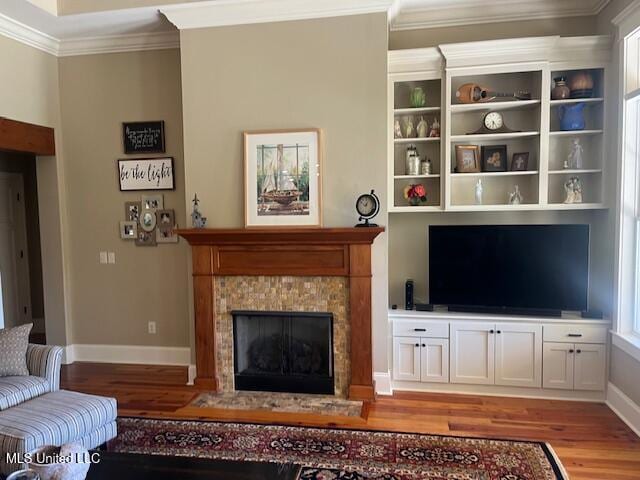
<point>280,402</point>
<point>329,454</point>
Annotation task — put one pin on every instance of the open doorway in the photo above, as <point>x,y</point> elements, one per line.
<point>21,284</point>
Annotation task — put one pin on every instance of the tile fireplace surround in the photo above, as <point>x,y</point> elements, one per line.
<point>293,269</point>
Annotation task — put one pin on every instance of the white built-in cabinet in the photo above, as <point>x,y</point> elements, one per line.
<point>505,354</point>
<point>509,353</point>
<point>509,65</point>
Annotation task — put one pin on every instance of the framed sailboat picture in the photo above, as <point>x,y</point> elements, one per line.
<point>282,180</point>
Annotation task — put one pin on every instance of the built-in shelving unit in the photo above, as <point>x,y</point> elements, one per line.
<point>535,123</point>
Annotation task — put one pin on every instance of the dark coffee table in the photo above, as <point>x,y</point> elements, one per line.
<point>127,466</point>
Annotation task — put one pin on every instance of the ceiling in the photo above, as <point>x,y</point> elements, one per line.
<point>54,22</point>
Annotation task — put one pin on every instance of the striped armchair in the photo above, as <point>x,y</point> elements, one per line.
<point>43,363</point>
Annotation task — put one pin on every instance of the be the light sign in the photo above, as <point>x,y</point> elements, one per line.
<point>146,174</point>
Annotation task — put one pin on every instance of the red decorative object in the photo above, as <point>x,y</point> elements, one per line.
<point>415,194</point>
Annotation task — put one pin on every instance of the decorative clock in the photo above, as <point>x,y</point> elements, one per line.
<point>367,206</point>
<point>493,122</point>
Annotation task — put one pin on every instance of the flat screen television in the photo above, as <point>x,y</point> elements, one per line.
<point>540,269</point>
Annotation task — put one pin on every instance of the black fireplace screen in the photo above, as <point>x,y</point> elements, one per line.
<point>283,351</point>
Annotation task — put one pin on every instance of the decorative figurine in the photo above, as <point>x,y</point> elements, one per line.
<point>197,220</point>
<point>479,192</point>
<point>435,129</point>
<point>561,91</point>
<point>397,130</point>
<point>573,190</point>
<point>425,167</point>
<point>574,160</point>
<point>422,128</point>
<point>515,197</point>
<point>409,129</point>
<point>418,98</point>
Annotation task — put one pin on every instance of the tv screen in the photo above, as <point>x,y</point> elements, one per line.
<point>535,267</point>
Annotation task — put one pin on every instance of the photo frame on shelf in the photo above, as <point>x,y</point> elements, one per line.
<point>520,162</point>
<point>494,158</point>
<point>467,159</point>
<point>282,178</point>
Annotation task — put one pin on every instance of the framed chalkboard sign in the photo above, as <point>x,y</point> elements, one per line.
<point>146,174</point>
<point>143,137</point>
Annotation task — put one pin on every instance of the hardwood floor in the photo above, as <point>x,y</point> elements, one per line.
<point>591,441</point>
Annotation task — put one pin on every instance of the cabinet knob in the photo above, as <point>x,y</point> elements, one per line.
<point>424,344</point>
<point>419,329</point>
<point>499,332</point>
<point>571,350</point>
<point>491,331</point>
<point>417,344</point>
<point>578,351</point>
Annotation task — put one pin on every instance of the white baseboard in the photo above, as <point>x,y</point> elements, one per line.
<point>624,407</point>
<point>192,374</point>
<point>383,383</point>
<point>127,354</point>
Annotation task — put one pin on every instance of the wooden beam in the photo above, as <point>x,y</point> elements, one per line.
<point>26,138</point>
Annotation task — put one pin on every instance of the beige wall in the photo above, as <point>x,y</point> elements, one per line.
<point>328,73</point>
<point>111,304</point>
<point>431,37</point>
<point>30,93</point>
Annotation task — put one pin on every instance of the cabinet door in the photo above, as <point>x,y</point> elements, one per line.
<point>472,353</point>
<point>434,360</point>
<point>519,355</point>
<point>558,360</point>
<point>406,359</point>
<point>589,367</point>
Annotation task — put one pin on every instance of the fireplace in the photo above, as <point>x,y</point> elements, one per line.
<point>283,351</point>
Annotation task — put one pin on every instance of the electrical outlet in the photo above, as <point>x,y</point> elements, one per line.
<point>103,258</point>
<point>152,328</point>
<point>111,257</point>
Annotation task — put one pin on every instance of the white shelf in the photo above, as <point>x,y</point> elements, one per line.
<point>576,100</point>
<point>419,208</point>
<point>511,105</point>
<point>402,177</point>
<point>493,136</point>
<point>575,171</point>
<point>577,206</point>
<point>416,140</point>
<point>411,111</point>
<point>573,133</point>
<point>495,174</point>
<point>495,208</point>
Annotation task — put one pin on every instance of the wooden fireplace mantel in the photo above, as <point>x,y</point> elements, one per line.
<point>344,252</point>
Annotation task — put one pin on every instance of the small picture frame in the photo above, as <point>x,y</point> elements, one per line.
<point>146,239</point>
<point>129,230</point>
<point>467,159</point>
<point>494,158</point>
<point>166,235</point>
<point>520,162</point>
<point>132,211</point>
<point>143,137</point>
<point>165,219</point>
<point>148,220</point>
<point>152,202</point>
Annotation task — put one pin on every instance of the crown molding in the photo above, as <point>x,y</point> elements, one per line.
<point>531,49</point>
<point>220,13</point>
<point>593,48</point>
<point>22,33</point>
<point>627,20</point>
<point>119,43</point>
<point>415,60</point>
<point>445,13</point>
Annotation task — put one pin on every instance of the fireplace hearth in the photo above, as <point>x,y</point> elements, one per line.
<point>283,351</point>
